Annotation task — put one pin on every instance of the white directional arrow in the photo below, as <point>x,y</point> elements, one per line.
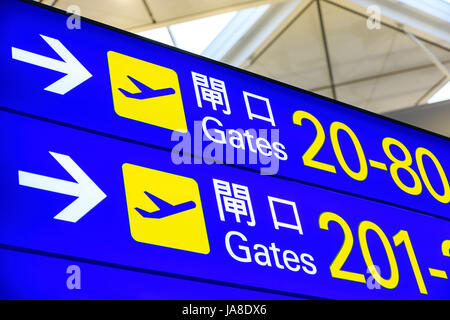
<point>89,195</point>
<point>75,72</point>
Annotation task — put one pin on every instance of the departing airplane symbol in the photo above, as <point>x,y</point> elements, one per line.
<point>145,91</point>
<point>165,209</point>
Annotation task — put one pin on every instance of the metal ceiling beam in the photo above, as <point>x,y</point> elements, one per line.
<point>327,53</point>
<point>425,27</point>
<point>431,92</point>
<point>199,15</point>
<point>410,22</point>
<point>275,21</point>
<point>236,30</point>
<point>437,63</point>
<point>430,54</point>
<point>149,11</point>
<point>374,77</point>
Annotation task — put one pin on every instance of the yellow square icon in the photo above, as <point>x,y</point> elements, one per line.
<point>146,92</point>
<point>164,209</point>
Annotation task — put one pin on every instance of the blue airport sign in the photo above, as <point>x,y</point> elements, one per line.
<point>307,137</point>
<point>120,151</point>
<point>252,230</point>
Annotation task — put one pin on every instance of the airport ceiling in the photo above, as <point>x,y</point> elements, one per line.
<point>323,46</point>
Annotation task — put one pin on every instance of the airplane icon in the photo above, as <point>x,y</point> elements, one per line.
<point>165,209</point>
<point>146,91</point>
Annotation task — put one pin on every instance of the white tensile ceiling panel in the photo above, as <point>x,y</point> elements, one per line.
<point>164,10</point>
<point>380,70</point>
<point>358,52</point>
<point>442,54</point>
<point>391,92</point>
<point>127,14</point>
<point>355,51</point>
<point>297,56</point>
<point>406,55</point>
<point>118,13</point>
<point>325,92</point>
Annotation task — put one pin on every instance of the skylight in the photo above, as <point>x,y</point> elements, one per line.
<point>193,36</point>
<point>196,35</point>
<point>442,95</point>
<point>438,8</point>
<point>159,34</point>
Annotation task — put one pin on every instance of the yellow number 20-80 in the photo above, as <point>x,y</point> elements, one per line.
<point>316,145</point>
<point>445,197</point>
<point>363,171</point>
<point>402,164</point>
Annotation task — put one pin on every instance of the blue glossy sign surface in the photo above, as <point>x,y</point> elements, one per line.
<point>94,123</point>
<point>90,105</point>
<point>249,254</point>
<point>47,277</point>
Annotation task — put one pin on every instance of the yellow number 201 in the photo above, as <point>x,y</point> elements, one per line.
<point>346,248</point>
